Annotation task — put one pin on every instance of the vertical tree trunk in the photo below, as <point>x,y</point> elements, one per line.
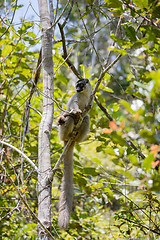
<point>44,186</point>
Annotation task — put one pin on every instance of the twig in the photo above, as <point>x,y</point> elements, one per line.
<point>103,109</point>
<point>89,36</point>
<point>11,20</point>
<point>139,225</point>
<point>65,60</point>
<point>65,55</point>
<point>116,33</point>
<point>20,152</point>
<point>142,16</point>
<point>136,149</point>
<point>69,12</point>
<point>64,9</point>
<point>37,75</point>
<point>27,110</point>
<point>10,212</point>
<point>138,208</point>
<point>102,74</point>
<point>134,71</point>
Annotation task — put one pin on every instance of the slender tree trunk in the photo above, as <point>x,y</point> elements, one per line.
<point>44,186</point>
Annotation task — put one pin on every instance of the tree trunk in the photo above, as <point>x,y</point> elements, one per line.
<point>44,162</point>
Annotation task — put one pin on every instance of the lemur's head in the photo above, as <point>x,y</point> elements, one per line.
<point>83,85</point>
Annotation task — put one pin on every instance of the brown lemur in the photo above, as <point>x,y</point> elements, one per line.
<point>67,121</point>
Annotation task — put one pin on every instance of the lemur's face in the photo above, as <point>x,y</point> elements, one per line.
<point>82,84</point>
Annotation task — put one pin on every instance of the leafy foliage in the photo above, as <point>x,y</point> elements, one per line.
<point>116,189</point>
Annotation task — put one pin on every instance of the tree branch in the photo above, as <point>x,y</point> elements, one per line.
<point>64,9</point>
<point>101,76</point>
<point>139,225</point>
<point>65,54</point>
<point>69,12</point>
<point>20,152</point>
<point>89,36</point>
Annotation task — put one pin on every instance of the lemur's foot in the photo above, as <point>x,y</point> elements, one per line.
<point>62,118</point>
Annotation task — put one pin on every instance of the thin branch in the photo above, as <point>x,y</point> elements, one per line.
<point>116,33</point>
<point>20,152</point>
<point>65,60</point>
<point>89,36</point>
<point>69,12</point>
<point>10,212</point>
<point>101,76</point>
<point>64,9</point>
<point>65,55</point>
<point>37,75</point>
<point>134,71</point>
<point>136,149</point>
<point>141,15</point>
<point>139,225</point>
<point>11,20</point>
<point>27,110</point>
<point>103,109</point>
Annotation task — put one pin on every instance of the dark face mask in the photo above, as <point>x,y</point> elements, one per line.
<point>81,84</point>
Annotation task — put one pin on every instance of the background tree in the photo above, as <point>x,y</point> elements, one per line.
<point>116,45</point>
<point>44,161</point>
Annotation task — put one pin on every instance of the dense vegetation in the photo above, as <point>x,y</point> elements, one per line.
<point>116,174</point>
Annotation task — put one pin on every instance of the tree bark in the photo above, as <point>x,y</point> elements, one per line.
<point>44,162</point>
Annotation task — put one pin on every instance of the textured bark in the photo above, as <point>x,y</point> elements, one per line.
<point>44,162</point>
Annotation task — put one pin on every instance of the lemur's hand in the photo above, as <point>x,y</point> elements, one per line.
<point>62,118</point>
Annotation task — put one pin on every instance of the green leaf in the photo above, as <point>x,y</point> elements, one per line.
<point>80,180</point>
<point>125,173</point>
<point>97,160</point>
<point>121,51</point>
<point>148,135</point>
<point>130,32</point>
<point>6,50</point>
<point>107,89</point>
<point>113,3</point>
<point>114,107</point>
<point>117,139</point>
<point>126,105</point>
<point>110,151</point>
<point>141,3</point>
<point>90,171</point>
<point>133,159</point>
<point>147,163</point>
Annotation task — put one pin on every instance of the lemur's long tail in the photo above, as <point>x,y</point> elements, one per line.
<point>66,195</point>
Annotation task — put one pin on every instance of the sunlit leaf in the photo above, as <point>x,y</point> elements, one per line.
<point>147,162</point>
